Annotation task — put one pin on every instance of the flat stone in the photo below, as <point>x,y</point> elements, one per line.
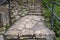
<point>1,37</point>
<point>12,32</point>
<point>29,25</point>
<point>27,32</point>
<point>33,25</point>
<point>20,27</point>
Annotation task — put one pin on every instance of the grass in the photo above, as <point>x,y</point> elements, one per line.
<point>58,38</point>
<point>47,16</point>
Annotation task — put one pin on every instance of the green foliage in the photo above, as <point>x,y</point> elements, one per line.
<point>47,16</point>
<point>58,38</point>
<point>57,23</point>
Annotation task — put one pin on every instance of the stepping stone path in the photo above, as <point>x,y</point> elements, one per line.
<point>31,26</point>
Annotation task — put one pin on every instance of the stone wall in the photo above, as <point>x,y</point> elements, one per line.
<point>19,8</point>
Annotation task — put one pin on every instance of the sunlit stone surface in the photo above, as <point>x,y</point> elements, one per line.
<point>32,24</point>
<point>35,27</point>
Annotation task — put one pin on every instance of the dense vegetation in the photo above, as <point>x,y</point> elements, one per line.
<point>47,16</point>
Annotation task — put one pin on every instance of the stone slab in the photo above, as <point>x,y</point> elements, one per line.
<point>30,25</point>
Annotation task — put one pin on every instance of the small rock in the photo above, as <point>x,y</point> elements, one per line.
<point>17,17</point>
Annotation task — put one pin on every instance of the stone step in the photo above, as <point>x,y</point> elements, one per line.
<point>31,8</point>
<point>30,26</point>
<point>25,4</point>
<point>34,8</point>
<point>35,11</point>
<point>32,4</point>
<point>30,13</point>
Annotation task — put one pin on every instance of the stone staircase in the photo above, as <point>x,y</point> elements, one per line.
<point>30,27</point>
<point>34,9</point>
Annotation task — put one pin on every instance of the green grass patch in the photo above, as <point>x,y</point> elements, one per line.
<point>48,16</point>
<point>58,38</point>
